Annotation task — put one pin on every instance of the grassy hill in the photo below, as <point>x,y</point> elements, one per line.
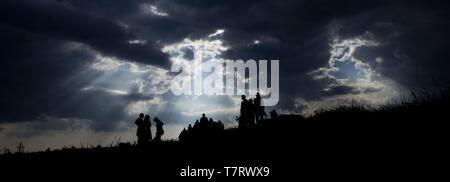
<point>392,141</point>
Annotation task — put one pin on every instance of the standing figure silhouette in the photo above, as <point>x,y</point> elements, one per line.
<point>147,129</point>
<point>260,113</point>
<point>159,129</point>
<point>203,122</point>
<point>243,118</point>
<point>140,129</point>
<point>220,126</point>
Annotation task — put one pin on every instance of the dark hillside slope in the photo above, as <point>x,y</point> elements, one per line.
<point>396,141</point>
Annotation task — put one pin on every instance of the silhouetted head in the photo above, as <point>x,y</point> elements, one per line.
<point>257,94</point>
<point>141,115</point>
<point>147,117</point>
<point>250,100</point>
<point>220,121</point>
<point>203,115</point>
<point>156,120</point>
<point>243,97</point>
<point>211,120</point>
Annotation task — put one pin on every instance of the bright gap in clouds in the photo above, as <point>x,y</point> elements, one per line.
<point>152,9</point>
<point>363,84</point>
<point>222,108</point>
<point>218,32</point>
<point>149,83</point>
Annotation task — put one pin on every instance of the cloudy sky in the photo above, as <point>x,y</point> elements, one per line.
<point>77,72</point>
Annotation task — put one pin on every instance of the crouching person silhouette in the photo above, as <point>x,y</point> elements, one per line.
<point>159,129</point>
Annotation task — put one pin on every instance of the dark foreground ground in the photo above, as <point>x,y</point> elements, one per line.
<point>396,142</point>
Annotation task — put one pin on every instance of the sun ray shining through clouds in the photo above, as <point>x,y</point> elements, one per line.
<point>211,49</point>
<point>150,85</point>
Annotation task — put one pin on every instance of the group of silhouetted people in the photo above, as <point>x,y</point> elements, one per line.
<point>202,129</point>
<point>252,112</point>
<point>144,132</point>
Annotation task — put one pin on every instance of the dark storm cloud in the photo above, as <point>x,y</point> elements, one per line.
<point>41,75</point>
<point>65,22</point>
<point>33,69</point>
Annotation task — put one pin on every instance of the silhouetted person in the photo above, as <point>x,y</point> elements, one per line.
<point>183,135</point>
<point>203,119</point>
<point>141,134</point>
<point>159,129</point>
<point>220,126</point>
<point>260,113</point>
<point>196,130</point>
<point>211,123</point>
<point>203,122</point>
<point>189,128</point>
<point>196,126</point>
<point>243,118</point>
<point>147,129</point>
<point>243,104</point>
<point>273,114</point>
